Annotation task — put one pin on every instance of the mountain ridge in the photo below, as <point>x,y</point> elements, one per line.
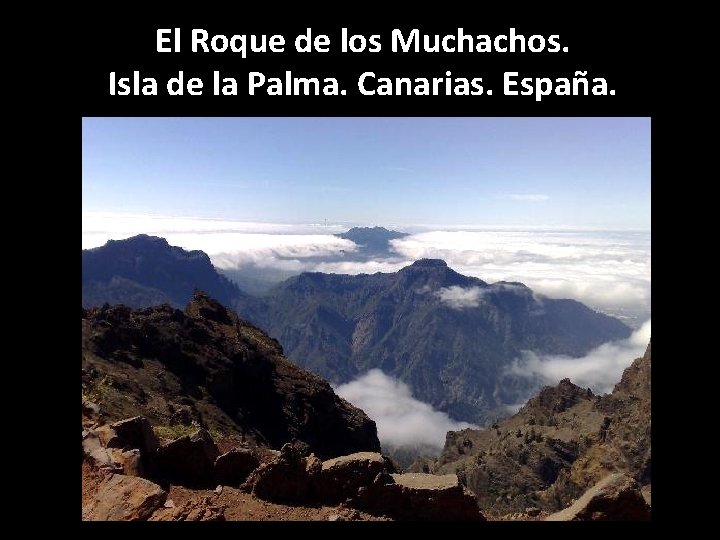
<point>450,337</point>
<point>206,366</point>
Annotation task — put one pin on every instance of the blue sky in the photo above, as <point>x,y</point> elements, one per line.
<point>576,172</point>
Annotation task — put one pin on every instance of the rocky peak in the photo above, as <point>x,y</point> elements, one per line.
<point>201,306</point>
<point>636,378</point>
<point>556,399</point>
<point>429,263</point>
<point>142,269</point>
<point>142,240</point>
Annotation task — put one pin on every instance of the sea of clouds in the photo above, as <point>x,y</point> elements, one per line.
<point>604,269</point>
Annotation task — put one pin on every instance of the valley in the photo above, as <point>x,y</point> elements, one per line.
<point>451,338</point>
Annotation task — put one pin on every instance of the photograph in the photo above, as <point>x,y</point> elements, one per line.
<point>324,318</point>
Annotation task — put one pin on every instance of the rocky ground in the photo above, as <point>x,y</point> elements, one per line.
<point>560,444</point>
<point>131,474</point>
<point>197,416</point>
<point>236,505</point>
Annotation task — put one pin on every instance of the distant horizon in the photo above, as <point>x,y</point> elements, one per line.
<point>265,227</point>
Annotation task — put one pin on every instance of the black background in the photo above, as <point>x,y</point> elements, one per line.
<point>603,40</point>
<point>617,48</point>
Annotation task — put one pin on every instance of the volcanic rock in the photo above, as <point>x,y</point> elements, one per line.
<point>124,498</point>
<point>342,477</point>
<point>233,468</point>
<point>418,496</point>
<point>188,460</point>
<point>616,497</point>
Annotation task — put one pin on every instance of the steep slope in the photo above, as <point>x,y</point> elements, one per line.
<point>206,366</point>
<point>449,336</point>
<point>143,269</point>
<point>561,442</point>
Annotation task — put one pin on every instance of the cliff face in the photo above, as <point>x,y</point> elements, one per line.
<point>450,337</point>
<point>144,271</point>
<point>561,442</point>
<point>206,366</point>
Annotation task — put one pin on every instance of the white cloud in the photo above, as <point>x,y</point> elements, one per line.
<point>232,250</point>
<point>401,419</point>
<point>458,297</point>
<point>230,244</point>
<point>600,369</point>
<point>528,197</point>
<point>99,227</point>
<point>603,269</point>
<point>607,270</point>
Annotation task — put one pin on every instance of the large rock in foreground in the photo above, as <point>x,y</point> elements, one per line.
<point>188,460</point>
<point>136,433</point>
<point>342,477</point>
<point>289,478</point>
<point>419,496</point>
<point>233,468</point>
<point>124,498</point>
<point>113,459</point>
<point>616,497</point>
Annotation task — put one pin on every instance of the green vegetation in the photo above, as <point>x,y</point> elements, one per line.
<point>96,390</point>
<point>174,432</point>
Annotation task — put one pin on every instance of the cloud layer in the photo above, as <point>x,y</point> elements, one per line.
<point>603,269</point>
<point>401,419</point>
<point>607,270</point>
<point>458,297</point>
<point>600,369</point>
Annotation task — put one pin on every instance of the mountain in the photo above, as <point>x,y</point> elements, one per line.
<point>372,241</point>
<point>450,337</point>
<point>205,366</point>
<point>563,441</point>
<point>143,269</point>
